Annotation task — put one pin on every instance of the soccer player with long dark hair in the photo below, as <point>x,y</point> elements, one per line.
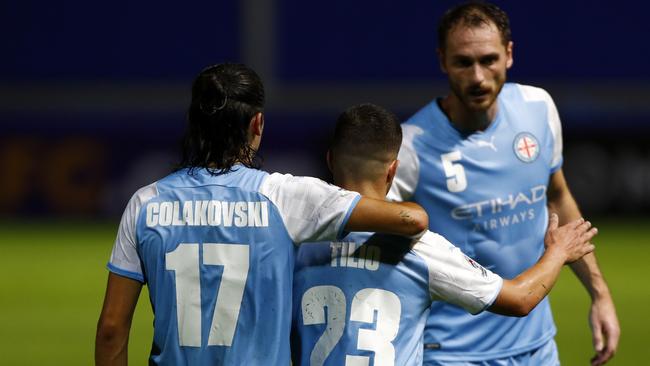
<point>214,240</point>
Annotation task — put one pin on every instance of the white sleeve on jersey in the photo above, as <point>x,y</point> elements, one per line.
<point>532,93</point>
<point>124,258</point>
<point>456,278</point>
<point>311,209</point>
<point>408,170</point>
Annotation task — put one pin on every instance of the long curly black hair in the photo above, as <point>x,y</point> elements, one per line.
<point>225,97</point>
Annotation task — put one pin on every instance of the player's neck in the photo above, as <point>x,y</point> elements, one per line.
<point>376,190</point>
<point>465,119</point>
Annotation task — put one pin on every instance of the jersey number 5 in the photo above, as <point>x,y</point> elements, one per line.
<point>364,305</point>
<point>455,173</point>
<point>184,261</point>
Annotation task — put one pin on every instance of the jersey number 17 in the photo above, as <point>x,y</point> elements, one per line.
<point>184,261</point>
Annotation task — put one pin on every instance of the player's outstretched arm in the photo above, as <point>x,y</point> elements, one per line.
<point>564,244</point>
<point>112,338</point>
<point>404,218</point>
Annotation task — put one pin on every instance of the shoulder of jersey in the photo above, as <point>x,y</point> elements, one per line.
<point>423,115</point>
<point>143,194</point>
<point>147,192</point>
<point>527,92</point>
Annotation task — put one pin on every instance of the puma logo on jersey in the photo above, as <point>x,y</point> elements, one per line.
<point>208,213</point>
<point>482,143</point>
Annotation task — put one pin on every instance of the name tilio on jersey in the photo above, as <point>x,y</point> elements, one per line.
<point>208,213</point>
<point>355,255</point>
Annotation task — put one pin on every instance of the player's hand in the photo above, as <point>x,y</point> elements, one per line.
<point>571,240</point>
<point>605,329</point>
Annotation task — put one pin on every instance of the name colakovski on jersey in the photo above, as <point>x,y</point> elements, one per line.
<point>208,213</point>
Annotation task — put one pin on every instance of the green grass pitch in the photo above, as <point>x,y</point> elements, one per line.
<point>54,276</point>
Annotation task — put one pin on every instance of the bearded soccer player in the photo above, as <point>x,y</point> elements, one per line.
<point>367,296</point>
<point>486,162</point>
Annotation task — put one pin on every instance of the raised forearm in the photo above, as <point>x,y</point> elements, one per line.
<point>563,244</point>
<point>519,296</point>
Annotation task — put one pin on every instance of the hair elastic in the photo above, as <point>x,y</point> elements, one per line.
<point>211,109</point>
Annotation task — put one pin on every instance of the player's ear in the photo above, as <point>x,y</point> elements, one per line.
<point>328,157</point>
<point>441,59</point>
<point>392,170</point>
<point>256,126</point>
<point>509,59</point>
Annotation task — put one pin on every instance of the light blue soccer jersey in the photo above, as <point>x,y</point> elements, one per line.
<point>217,253</point>
<point>486,193</point>
<point>365,300</point>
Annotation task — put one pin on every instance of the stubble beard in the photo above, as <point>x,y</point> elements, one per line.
<point>465,99</point>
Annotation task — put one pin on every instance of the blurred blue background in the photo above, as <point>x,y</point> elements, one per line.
<point>93,94</point>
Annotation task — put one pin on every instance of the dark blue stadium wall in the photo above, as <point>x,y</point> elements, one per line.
<point>93,95</point>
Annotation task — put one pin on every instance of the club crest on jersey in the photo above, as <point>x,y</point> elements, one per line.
<point>526,147</point>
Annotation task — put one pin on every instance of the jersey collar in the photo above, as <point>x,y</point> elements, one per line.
<point>448,128</point>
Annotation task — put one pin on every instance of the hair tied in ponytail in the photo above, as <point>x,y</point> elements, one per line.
<point>210,108</point>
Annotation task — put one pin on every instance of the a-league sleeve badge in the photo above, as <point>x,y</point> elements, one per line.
<point>526,147</point>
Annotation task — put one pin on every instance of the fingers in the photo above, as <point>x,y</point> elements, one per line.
<point>584,233</point>
<point>553,222</point>
<point>597,360</point>
<point>576,235</point>
<point>605,340</point>
<point>612,335</point>
<point>584,225</point>
<point>606,330</point>
<point>580,251</point>
<point>602,357</point>
<point>588,249</point>
<point>597,338</point>
<point>613,332</point>
<point>589,234</point>
<point>575,223</point>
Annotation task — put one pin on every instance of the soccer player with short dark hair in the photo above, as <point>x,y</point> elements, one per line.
<point>486,163</point>
<point>367,296</point>
<point>214,240</point>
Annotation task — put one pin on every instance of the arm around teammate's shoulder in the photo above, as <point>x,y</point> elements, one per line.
<point>564,245</point>
<point>314,210</point>
<point>403,218</point>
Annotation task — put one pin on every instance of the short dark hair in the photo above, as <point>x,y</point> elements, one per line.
<point>474,14</point>
<point>368,132</point>
<point>224,99</point>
